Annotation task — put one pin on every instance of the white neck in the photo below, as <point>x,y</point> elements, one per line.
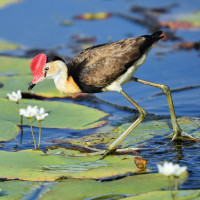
<point>61,76</point>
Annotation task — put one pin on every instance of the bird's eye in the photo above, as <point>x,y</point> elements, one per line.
<point>46,68</point>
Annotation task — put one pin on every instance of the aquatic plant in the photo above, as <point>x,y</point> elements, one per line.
<point>169,169</point>
<point>40,115</point>
<point>29,113</point>
<point>15,97</point>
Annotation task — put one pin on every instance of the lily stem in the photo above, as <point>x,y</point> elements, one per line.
<point>21,123</point>
<point>175,187</point>
<point>39,136</point>
<point>33,133</point>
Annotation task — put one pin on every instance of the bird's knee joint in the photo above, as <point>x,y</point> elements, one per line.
<point>165,89</point>
<point>143,113</point>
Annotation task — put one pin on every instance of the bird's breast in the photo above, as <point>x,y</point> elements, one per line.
<point>121,80</point>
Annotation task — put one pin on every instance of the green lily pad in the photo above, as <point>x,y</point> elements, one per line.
<point>4,3</point>
<point>193,18</point>
<point>61,115</point>
<point>14,189</point>
<point>45,88</point>
<point>8,130</point>
<point>7,46</point>
<point>146,130</point>
<point>35,166</point>
<point>14,66</point>
<point>118,189</point>
<point>165,195</point>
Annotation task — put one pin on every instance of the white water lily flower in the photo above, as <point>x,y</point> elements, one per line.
<point>29,112</point>
<point>169,169</point>
<point>179,170</point>
<point>15,96</point>
<point>41,114</point>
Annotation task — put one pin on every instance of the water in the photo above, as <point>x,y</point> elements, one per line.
<point>34,24</point>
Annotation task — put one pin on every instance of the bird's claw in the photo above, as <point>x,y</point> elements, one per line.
<point>180,135</point>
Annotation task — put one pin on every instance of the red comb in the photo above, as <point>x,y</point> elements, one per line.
<point>37,65</point>
<point>38,61</point>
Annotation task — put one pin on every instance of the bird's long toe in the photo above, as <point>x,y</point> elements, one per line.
<point>180,135</point>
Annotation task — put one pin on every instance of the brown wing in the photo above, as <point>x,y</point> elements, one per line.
<point>100,65</point>
<point>98,52</point>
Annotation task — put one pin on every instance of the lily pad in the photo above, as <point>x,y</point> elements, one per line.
<point>8,130</point>
<point>146,130</point>
<point>14,66</point>
<point>193,18</point>
<point>45,88</point>
<point>162,195</point>
<point>35,166</point>
<point>4,3</point>
<point>61,115</point>
<point>118,189</point>
<point>14,189</point>
<point>7,46</point>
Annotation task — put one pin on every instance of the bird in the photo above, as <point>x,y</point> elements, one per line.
<point>101,68</point>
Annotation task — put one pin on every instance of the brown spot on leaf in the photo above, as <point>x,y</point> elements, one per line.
<point>140,163</point>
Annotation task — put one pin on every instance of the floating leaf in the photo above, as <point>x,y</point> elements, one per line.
<point>4,3</point>
<point>14,189</point>
<point>187,45</point>
<point>93,16</point>
<point>66,22</point>
<point>35,166</point>
<point>8,130</point>
<point>186,21</point>
<point>193,18</point>
<point>62,115</point>
<point>177,25</point>
<point>7,46</point>
<point>14,66</point>
<point>45,88</point>
<point>181,195</point>
<point>118,189</point>
<point>146,130</point>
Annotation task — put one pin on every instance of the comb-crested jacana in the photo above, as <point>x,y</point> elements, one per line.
<point>101,68</point>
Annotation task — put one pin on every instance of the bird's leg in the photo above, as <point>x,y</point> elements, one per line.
<point>176,129</point>
<point>142,114</point>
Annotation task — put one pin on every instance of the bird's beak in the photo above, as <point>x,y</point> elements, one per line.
<point>31,86</point>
